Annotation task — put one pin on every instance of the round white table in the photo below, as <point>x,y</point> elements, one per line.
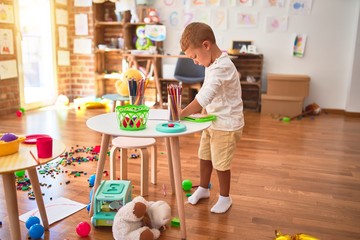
<point>107,125</point>
<point>22,160</point>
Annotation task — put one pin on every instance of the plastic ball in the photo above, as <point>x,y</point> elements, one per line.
<point>92,180</point>
<point>32,220</point>
<point>22,110</point>
<point>20,173</point>
<point>19,113</point>
<point>186,185</point>
<point>88,207</point>
<point>36,231</point>
<point>8,137</point>
<point>286,119</point>
<point>83,229</point>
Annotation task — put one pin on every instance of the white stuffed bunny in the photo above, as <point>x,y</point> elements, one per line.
<point>140,219</point>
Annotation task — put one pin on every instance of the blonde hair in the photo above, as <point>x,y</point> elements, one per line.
<point>195,34</point>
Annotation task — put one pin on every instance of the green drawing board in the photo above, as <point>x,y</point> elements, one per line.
<point>206,118</point>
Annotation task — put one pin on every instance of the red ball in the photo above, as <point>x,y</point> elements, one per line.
<point>83,229</point>
<point>18,113</point>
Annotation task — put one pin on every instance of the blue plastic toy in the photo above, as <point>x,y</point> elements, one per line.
<point>36,231</point>
<point>92,180</point>
<point>32,220</point>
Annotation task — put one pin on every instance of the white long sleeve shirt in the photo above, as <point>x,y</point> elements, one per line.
<point>220,94</point>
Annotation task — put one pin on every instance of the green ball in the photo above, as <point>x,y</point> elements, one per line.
<point>286,119</point>
<point>20,173</point>
<point>186,185</point>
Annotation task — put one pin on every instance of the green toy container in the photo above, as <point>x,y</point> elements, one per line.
<point>110,193</point>
<point>132,117</point>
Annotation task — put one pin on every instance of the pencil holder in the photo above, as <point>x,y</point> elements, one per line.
<point>174,101</point>
<point>174,107</point>
<point>132,117</point>
<point>137,100</point>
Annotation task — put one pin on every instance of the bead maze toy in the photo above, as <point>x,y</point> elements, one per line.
<point>109,197</point>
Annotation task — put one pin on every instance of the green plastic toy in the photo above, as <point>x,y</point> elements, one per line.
<point>206,118</point>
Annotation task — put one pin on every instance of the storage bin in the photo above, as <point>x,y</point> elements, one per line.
<point>281,105</point>
<point>288,85</point>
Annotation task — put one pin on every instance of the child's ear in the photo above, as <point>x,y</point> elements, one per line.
<point>206,44</point>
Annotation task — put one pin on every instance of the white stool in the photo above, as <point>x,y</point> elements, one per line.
<point>125,143</point>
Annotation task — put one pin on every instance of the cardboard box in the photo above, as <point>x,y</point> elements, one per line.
<point>288,85</point>
<point>281,105</point>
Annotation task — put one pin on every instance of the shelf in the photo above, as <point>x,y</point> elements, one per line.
<point>104,23</point>
<point>101,76</point>
<point>249,65</point>
<point>109,50</point>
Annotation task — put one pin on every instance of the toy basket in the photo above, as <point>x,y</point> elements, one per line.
<point>8,148</point>
<point>132,117</point>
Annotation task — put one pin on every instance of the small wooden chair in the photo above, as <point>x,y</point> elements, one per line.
<point>125,143</point>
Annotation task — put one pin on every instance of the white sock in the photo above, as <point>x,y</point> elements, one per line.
<point>199,194</point>
<point>222,205</point>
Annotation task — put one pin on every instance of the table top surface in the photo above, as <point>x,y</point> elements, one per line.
<point>23,159</point>
<point>107,124</point>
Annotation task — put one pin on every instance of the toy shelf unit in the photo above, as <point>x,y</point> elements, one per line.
<point>250,66</point>
<point>110,196</point>
<point>113,35</point>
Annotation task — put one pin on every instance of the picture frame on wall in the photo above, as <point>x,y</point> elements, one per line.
<point>239,44</point>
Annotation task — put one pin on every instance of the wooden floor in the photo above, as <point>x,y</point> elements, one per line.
<point>302,176</point>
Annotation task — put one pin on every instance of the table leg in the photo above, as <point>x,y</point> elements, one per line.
<point>11,204</point>
<point>157,82</point>
<point>171,169</point>
<point>35,185</point>
<point>100,168</point>
<point>175,153</point>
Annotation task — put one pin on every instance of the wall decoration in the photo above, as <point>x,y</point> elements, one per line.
<point>174,19</point>
<point>247,3</point>
<point>83,3</point>
<point>63,38</point>
<point>8,69</point>
<point>81,24</point>
<point>6,41</point>
<point>274,3</point>
<point>198,3</point>
<point>231,3</point>
<point>63,58</point>
<point>299,45</point>
<point>188,16</point>
<point>82,46</point>
<point>202,15</point>
<point>300,7</point>
<point>62,17</point>
<point>219,18</point>
<point>246,20</point>
<point>6,13</point>
<point>214,3</point>
<point>276,24</point>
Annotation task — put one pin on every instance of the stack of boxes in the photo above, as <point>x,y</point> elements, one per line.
<point>285,94</point>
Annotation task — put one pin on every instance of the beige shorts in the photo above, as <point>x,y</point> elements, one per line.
<point>219,147</point>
